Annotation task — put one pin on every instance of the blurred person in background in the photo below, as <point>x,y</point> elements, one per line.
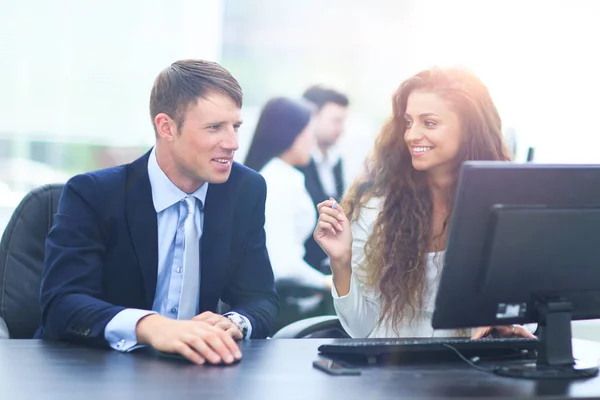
<point>324,173</point>
<point>282,141</point>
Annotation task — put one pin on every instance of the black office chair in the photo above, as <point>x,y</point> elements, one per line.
<point>22,260</point>
<point>326,326</point>
<point>298,302</point>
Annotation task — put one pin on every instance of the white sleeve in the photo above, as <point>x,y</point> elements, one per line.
<point>359,310</point>
<point>531,328</point>
<point>286,252</point>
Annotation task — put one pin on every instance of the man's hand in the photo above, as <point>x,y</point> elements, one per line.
<point>502,331</point>
<point>219,321</point>
<point>198,341</point>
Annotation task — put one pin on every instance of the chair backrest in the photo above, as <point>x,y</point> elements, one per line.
<point>22,260</point>
<point>298,302</point>
<point>325,326</point>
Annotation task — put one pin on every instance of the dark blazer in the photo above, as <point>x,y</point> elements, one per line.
<point>314,255</point>
<point>102,252</point>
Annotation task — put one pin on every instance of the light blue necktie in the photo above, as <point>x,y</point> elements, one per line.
<point>188,305</point>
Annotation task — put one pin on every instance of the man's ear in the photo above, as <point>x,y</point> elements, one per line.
<point>165,127</point>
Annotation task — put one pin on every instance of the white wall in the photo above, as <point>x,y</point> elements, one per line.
<point>83,70</point>
<point>538,57</point>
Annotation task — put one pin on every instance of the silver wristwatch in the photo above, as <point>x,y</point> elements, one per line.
<point>238,321</point>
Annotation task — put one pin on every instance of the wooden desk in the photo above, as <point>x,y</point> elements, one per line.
<point>271,369</point>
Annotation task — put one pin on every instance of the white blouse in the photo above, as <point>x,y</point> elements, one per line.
<point>360,309</point>
<point>290,217</point>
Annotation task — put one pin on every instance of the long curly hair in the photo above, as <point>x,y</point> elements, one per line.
<point>396,251</point>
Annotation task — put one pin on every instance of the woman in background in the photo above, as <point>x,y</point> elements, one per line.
<point>386,243</point>
<point>283,139</point>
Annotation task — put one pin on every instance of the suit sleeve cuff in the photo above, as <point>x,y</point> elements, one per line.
<point>120,331</point>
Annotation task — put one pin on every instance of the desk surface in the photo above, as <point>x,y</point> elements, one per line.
<point>271,369</point>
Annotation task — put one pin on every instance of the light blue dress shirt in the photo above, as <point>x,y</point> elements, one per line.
<point>169,203</point>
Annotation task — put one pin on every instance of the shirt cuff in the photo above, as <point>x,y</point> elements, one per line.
<point>247,321</point>
<point>120,331</point>
<point>530,327</point>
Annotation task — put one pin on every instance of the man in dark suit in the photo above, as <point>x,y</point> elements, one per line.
<point>324,174</point>
<point>141,254</point>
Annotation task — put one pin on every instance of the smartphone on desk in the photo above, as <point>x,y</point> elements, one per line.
<point>335,368</point>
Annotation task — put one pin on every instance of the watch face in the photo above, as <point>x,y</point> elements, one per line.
<point>239,322</point>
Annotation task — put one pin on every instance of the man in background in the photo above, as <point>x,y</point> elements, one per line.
<point>324,173</point>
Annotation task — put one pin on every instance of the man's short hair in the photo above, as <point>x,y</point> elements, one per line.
<point>320,95</point>
<point>180,85</point>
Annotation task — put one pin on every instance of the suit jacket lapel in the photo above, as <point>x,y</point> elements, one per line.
<point>143,226</point>
<point>215,244</point>
<point>313,183</point>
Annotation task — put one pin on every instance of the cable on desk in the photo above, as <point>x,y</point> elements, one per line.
<point>471,363</point>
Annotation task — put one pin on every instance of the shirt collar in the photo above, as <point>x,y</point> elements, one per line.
<point>164,192</point>
<point>332,156</point>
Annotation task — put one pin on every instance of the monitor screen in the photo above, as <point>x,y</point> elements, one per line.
<point>520,233</point>
<point>524,246</point>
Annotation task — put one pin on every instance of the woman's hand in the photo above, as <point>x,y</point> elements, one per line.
<point>502,331</point>
<point>333,233</point>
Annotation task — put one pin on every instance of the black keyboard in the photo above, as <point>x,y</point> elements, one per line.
<point>489,347</point>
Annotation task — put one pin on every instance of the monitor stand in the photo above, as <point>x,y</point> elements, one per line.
<point>555,355</point>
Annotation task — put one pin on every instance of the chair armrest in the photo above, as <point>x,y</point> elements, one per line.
<point>3,330</point>
<point>305,327</point>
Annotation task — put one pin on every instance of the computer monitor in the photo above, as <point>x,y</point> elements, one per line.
<point>524,246</point>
